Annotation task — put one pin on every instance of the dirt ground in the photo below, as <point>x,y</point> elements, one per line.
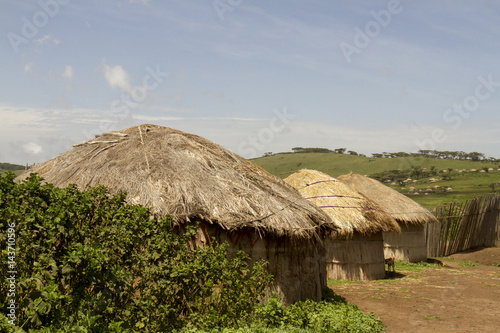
<point>461,296</point>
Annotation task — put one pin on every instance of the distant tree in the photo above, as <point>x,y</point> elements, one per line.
<point>352,153</point>
<point>340,150</point>
<point>11,167</point>
<point>311,150</point>
<point>475,156</point>
<point>416,172</point>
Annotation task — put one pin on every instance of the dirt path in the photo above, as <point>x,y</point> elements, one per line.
<point>461,296</point>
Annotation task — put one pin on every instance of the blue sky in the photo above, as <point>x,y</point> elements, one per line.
<point>253,76</point>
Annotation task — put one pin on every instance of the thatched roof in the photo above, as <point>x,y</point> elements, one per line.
<point>187,177</point>
<point>402,208</point>
<point>349,210</point>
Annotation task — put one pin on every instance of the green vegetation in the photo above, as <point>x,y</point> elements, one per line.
<point>468,263</point>
<point>339,164</point>
<point>333,314</point>
<point>332,282</point>
<point>88,262</point>
<point>394,171</point>
<point>17,169</point>
<point>430,317</point>
<point>417,267</point>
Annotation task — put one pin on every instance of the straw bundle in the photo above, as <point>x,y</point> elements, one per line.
<point>402,208</point>
<point>187,177</point>
<point>349,210</point>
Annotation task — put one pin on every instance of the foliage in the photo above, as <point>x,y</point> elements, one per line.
<point>466,185</point>
<point>407,266</point>
<point>453,155</point>
<point>11,167</point>
<point>468,263</point>
<point>321,150</point>
<point>88,262</point>
<point>333,314</point>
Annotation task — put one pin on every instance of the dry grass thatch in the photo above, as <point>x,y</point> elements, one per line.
<point>359,258</point>
<point>349,210</point>
<point>402,208</point>
<point>187,177</point>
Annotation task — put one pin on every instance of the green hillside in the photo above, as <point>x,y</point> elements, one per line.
<point>16,168</point>
<point>464,185</point>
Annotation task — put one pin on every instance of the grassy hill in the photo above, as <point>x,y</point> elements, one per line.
<point>16,168</point>
<point>465,185</point>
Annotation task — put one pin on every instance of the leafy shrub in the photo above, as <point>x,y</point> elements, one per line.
<point>89,262</point>
<point>333,314</point>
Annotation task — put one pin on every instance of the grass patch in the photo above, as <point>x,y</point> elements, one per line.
<point>468,263</point>
<point>331,282</point>
<point>430,317</point>
<point>388,281</point>
<point>414,267</point>
<point>465,185</point>
<point>488,284</point>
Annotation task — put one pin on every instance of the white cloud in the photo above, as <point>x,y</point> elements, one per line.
<point>68,72</point>
<point>46,39</point>
<point>47,133</point>
<point>33,148</point>
<point>28,67</point>
<point>117,77</point>
<point>144,2</point>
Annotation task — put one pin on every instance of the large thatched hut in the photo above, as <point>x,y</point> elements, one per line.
<point>194,180</point>
<point>355,251</point>
<point>410,244</point>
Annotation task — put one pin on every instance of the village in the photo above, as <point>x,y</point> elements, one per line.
<point>314,232</point>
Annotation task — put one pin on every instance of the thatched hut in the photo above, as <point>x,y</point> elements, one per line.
<point>355,251</point>
<point>410,244</point>
<point>195,180</point>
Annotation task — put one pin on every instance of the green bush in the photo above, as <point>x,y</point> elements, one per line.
<point>333,314</point>
<point>88,262</point>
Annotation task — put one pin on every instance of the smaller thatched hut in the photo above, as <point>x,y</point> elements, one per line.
<point>355,251</point>
<point>195,180</point>
<point>410,244</point>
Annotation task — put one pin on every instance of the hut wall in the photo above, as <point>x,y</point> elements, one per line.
<point>358,258</point>
<point>409,245</point>
<point>298,266</point>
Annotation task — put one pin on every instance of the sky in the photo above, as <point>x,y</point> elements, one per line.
<point>254,76</point>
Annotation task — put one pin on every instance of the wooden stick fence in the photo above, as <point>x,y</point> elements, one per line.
<point>462,226</point>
